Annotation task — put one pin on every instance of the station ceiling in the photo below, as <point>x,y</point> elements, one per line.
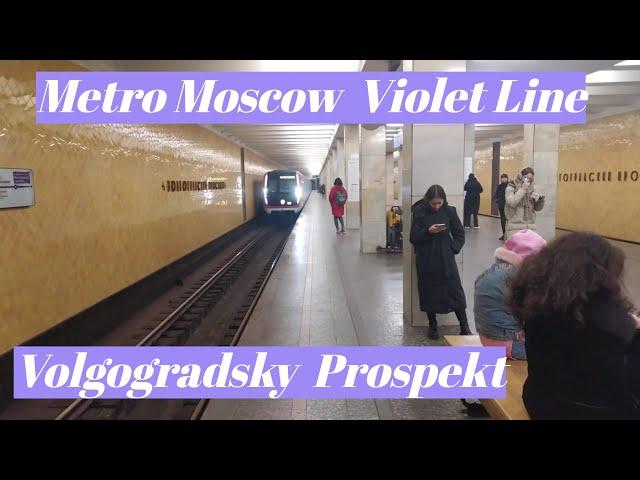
<point>614,87</point>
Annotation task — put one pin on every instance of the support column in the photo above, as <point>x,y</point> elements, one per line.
<point>352,159</point>
<point>540,150</point>
<point>324,174</point>
<point>334,164</point>
<point>397,178</point>
<point>431,154</point>
<point>373,189</point>
<point>389,161</point>
<point>495,176</point>
<point>342,170</point>
<point>467,164</point>
<point>469,148</point>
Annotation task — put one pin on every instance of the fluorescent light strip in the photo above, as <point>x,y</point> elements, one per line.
<point>628,63</point>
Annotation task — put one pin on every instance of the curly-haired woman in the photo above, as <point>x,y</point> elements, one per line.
<point>581,332</point>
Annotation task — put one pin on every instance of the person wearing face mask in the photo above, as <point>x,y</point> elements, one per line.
<point>522,201</point>
<point>438,236</point>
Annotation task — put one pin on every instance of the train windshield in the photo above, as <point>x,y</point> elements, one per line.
<point>282,182</point>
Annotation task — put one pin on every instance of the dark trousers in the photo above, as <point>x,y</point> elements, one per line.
<point>461,315</point>
<point>393,236</point>
<point>503,218</point>
<point>468,211</point>
<point>336,220</point>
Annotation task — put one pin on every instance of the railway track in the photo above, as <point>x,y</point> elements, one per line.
<point>242,317</point>
<point>176,326</point>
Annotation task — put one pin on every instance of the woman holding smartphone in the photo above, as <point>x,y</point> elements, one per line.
<point>438,236</point>
<point>522,201</point>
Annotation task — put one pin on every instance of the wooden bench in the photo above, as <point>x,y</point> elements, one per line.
<point>509,408</point>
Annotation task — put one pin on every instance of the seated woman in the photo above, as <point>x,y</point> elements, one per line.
<point>581,337</point>
<point>495,324</point>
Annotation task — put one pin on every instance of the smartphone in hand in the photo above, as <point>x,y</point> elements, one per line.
<point>436,228</point>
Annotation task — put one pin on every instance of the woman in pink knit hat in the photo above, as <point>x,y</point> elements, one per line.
<point>495,323</point>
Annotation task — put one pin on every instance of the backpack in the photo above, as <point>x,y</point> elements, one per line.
<point>341,197</point>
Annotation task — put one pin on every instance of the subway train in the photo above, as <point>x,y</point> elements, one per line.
<point>285,192</point>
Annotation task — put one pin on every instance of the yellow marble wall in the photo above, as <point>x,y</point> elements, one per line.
<point>482,165</point>
<point>611,144</point>
<point>611,208</point>
<point>511,157</point>
<point>254,172</point>
<point>101,220</point>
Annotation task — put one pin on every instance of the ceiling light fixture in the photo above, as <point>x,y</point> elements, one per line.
<point>628,63</point>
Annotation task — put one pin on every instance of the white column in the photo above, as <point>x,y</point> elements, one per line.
<point>469,148</point>
<point>397,177</point>
<point>352,159</point>
<point>373,189</point>
<point>431,154</point>
<point>389,161</point>
<point>341,160</point>
<point>540,150</point>
<point>336,168</point>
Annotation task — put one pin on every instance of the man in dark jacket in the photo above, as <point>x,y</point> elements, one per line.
<point>499,198</point>
<point>472,201</point>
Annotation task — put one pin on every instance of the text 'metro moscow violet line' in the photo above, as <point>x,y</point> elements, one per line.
<point>346,98</point>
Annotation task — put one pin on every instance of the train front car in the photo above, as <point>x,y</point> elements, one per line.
<point>284,192</point>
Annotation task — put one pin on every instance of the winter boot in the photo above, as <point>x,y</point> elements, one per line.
<point>464,329</point>
<point>433,331</point>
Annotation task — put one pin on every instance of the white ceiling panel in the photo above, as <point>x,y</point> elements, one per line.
<point>612,89</point>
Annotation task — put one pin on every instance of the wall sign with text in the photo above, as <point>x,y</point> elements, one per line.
<point>16,188</point>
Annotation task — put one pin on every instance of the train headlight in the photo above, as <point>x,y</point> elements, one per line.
<point>282,202</point>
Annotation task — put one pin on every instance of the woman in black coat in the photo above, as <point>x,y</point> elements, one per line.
<point>472,201</point>
<point>581,332</point>
<point>438,236</point>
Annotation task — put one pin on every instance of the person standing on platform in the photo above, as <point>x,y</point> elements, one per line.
<point>499,198</point>
<point>438,236</point>
<point>522,201</point>
<point>337,199</point>
<point>472,201</point>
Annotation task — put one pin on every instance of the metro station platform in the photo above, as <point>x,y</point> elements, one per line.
<point>325,292</point>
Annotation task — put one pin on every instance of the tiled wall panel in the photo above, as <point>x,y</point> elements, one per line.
<point>607,152</point>
<point>103,217</point>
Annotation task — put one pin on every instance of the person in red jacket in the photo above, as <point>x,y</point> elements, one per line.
<point>337,199</point>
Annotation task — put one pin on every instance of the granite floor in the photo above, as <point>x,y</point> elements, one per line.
<point>324,292</point>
